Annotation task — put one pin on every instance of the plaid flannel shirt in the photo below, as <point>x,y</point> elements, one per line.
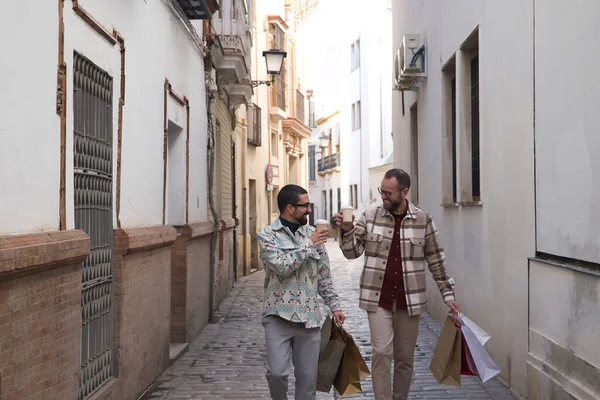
<point>296,272</point>
<point>419,241</point>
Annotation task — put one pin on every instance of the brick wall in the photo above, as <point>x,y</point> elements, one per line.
<point>142,308</point>
<point>198,304</point>
<point>190,282</point>
<point>40,314</point>
<point>223,273</point>
<point>179,286</point>
<point>145,325</point>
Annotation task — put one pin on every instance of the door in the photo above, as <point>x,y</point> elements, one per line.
<point>234,211</point>
<point>93,203</point>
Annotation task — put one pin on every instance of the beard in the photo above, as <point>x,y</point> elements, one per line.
<point>303,220</point>
<point>392,205</point>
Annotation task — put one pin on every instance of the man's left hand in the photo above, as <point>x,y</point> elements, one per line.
<point>454,306</point>
<point>339,317</point>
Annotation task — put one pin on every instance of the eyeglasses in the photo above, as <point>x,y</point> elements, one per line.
<point>305,205</point>
<point>387,193</point>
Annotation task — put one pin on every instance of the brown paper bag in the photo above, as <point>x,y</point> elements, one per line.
<point>446,362</point>
<point>352,369</point>
<point>330,357</point>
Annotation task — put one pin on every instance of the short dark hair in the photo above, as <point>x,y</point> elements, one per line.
<point>289,194</point>
<point>401,176</point>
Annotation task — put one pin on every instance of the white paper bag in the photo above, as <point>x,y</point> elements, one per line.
<point>479,333</point>
<point>486,368</point>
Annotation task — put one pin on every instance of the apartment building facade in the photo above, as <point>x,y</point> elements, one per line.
<point>277,118</point>
<point>496,130</point>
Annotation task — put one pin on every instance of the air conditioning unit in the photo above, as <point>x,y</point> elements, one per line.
<point>406,85</point>
<point>410,59</point>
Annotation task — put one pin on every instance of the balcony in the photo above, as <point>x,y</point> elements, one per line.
<point>199,9</point>
<point>329,164</point>
<point>294,122</point>
<point>231,58</point>
<point>278,111</point>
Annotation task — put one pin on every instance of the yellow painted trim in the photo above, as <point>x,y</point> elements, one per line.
<point>321,121</point>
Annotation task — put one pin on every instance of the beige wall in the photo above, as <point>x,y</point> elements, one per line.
<point>257,158</point>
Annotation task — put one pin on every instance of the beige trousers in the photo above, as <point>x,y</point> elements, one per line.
<point>393,336</point>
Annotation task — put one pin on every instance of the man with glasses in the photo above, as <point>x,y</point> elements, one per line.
<point>297,270</point>
<point>397,239</point>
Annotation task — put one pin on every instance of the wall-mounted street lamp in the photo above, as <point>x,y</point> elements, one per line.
<point>324,140</point>
<point>274,59</point>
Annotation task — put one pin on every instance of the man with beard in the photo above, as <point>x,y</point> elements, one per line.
<point>397,240</point>
<point>297,270</point>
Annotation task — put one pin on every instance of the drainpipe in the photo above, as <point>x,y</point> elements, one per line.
<point>211,147</point>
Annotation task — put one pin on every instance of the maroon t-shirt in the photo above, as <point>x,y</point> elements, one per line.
<point>393,280</point>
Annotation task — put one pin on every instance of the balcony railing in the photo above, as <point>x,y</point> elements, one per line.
<point>300,106</point>
<point>279,92</point>
<point>329,162</point>
<point>237,44</point>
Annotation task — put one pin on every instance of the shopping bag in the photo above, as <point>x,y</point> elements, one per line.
<point>467,365</point>
<point>479,333</point>
<point>485,366</point>
<point>330,357</point>
<point>352,368</point>
<point>325,334</point>
<point>446,361</point>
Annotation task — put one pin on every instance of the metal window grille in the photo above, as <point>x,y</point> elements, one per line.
<point>300,106</point>
<point>330,203</point>
<point>278,37</point>
<point>93,150</point>
<point>255,131</point>
<point>278,41</point>
<point>475,172</point>
<point>311,162</point>
<point>279,90</point>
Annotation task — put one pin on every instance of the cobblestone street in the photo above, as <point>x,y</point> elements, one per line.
<point>227,361</point>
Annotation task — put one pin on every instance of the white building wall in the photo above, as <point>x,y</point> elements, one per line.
<point>486,245</point>
<point>568,168</point>
<point>172,56</point>
<point>564,359</point>
<point>157,47</point>
<point>334,178</point>
<point>29,126</point>
<point>371,84</point>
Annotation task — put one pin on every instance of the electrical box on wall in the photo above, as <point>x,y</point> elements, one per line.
<point>409,63</point>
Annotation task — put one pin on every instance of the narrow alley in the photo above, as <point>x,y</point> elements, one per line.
<point>227,359</point>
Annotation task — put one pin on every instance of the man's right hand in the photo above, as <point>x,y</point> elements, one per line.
<point>344,226</point>
<point>319,238</point>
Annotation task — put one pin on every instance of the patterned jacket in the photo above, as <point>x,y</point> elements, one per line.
<point>419,241</point>
<point>296,272</point>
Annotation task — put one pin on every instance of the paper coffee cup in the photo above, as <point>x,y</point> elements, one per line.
<point>322,225</point>
<point>347,214</point>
